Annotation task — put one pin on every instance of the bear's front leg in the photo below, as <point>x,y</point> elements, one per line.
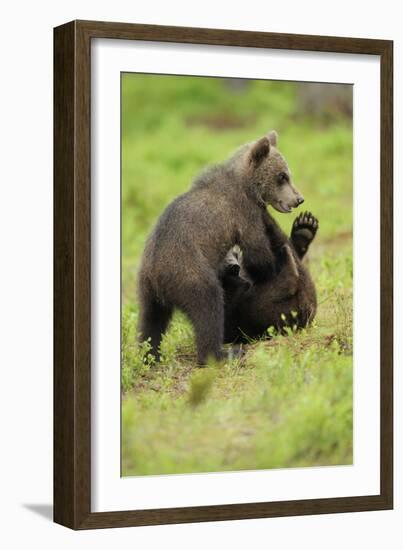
<point>303,232</point>
<point>258,257</point>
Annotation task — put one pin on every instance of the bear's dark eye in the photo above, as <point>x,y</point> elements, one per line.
<point>282,177</point>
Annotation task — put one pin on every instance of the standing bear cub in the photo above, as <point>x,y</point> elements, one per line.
<point>184,255</point>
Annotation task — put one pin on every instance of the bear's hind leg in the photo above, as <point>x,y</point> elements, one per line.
<point>206,312</point>
<point>303,232</point>
<point>153,322</point>
<point>286,283</point>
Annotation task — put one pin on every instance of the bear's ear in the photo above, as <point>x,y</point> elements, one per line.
<point>260,150</point>
<point>273,137</point>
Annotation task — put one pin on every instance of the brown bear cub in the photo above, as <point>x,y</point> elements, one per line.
<point>183,257</point>
<point>288,299</point>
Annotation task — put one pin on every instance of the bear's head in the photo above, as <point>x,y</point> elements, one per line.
<point>271,176</point>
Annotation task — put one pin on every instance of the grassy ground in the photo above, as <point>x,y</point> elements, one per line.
<point>288,402</point>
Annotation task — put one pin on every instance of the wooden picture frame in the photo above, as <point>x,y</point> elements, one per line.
<point>72,270</point>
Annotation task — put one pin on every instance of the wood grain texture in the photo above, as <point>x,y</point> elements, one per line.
<point>64,382</point>
<point>220,37</point>
<point>72,274</point>
<point>72,296</point>
<point>387,273</point>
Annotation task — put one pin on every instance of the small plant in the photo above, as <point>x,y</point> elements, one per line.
<point>271,332</point>
<point>201,383</point>
<point>136,358</point>
<point>344,323</point>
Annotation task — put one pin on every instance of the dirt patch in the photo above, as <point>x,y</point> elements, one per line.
<point>340,238</point>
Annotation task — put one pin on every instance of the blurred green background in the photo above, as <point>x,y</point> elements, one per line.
<point>288,402</point>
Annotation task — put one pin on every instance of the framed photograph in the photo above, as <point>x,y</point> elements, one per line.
<point>222,274</point>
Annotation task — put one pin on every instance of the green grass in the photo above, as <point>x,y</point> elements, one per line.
<point>288,402</point>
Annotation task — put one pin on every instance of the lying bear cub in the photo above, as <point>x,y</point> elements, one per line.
<point>288,299</point>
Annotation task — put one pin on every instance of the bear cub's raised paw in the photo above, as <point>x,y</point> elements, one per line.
<point>303,232</point>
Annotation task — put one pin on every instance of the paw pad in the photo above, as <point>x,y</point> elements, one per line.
<point>305,222</point>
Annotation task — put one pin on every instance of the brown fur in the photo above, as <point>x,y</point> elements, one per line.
<point>287,299</point>
<point>181,264</point>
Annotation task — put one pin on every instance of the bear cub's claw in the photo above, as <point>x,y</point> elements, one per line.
<point>305,221</point>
